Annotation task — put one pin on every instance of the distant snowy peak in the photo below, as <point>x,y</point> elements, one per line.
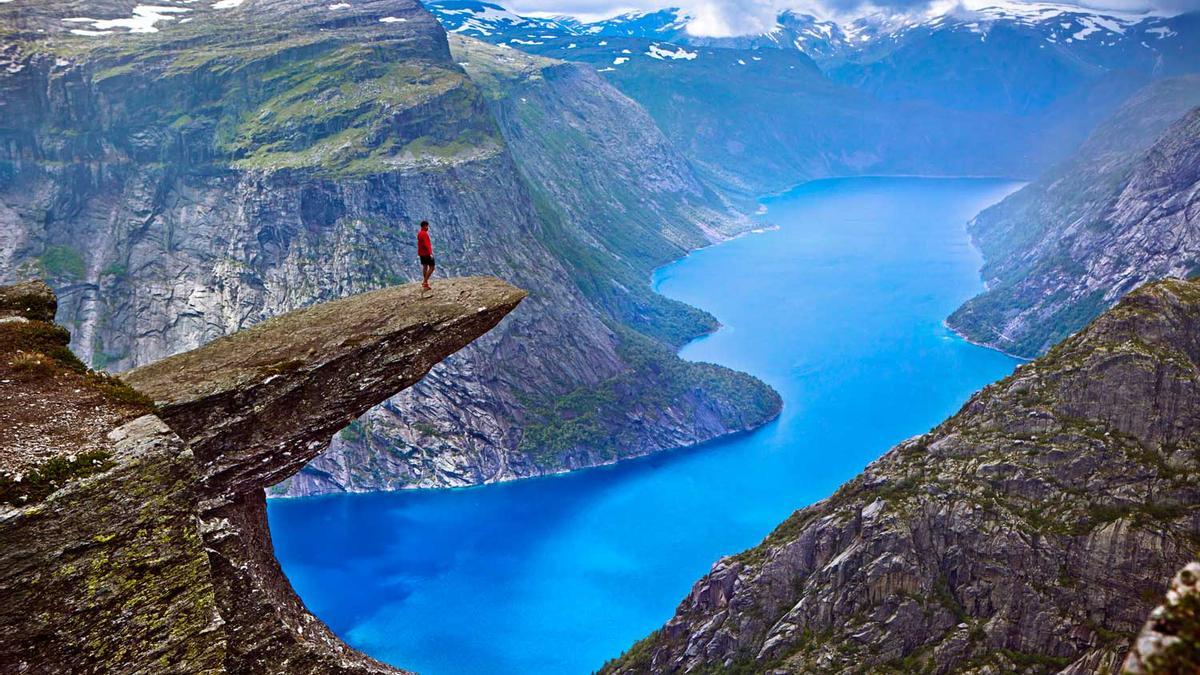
<point>487,20</point>
<point>1031,13</point>
<point>1050,23</point>
<point>664,22</point>
<point>822,39</point>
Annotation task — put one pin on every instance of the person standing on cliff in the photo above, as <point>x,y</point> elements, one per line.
<point>425,253</point>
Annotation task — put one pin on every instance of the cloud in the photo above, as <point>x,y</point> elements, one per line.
<point>727,18</point>
<point>1163,6</point>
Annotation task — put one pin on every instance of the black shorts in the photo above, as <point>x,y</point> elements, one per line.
<point>427,260</point>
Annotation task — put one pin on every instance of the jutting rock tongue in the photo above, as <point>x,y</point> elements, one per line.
<point>133,537</point>
<point>259,404</point>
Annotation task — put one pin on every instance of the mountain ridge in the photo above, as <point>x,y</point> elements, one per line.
<point>944,96</point>
<point>1112,216</point>
<point>1030,532</point>
<point>179,184</point>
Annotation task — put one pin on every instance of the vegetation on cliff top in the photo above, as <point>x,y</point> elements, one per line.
<point>657,383</point>
<point>338,104</point>
<point>56,408</point>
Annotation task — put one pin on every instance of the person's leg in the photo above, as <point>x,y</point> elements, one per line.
<point>426,271</point>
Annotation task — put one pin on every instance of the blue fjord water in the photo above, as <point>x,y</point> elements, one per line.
<point>840,309</point>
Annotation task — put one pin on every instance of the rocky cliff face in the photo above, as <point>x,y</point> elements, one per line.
<point>133,531</point>
<point>182,174</point>
<point>1119,213</point>
<point>1032,532</point>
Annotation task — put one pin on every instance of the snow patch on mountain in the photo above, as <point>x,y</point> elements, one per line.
<point>143,20</point>
<point>824,40</point>
<point>658,52</point>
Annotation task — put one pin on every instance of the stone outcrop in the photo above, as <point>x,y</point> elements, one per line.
<point>1118,213</point>
<point>655,401</point>
<point>32,300</point>
<point>181,185</point>
<point>1170,641</point>
<point>133,531</point>
<point>1029,533</point>
<point>237,398</point>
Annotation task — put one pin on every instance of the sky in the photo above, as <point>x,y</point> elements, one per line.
<point>723,18</point>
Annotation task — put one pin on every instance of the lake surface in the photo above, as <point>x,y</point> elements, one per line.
<point>840,309</point>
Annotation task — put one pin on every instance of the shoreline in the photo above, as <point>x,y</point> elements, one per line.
<point>758,227</point>
<point>614,465</point>
<point>797,186</point>
<point>952,329</point>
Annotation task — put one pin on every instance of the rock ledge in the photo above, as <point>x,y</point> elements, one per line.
<point>133,532</point>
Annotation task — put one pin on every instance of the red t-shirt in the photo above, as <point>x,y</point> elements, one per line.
<point>424,246</point>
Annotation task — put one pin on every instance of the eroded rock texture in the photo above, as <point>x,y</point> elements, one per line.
<point>1031,532</point>
<point>133,531</point>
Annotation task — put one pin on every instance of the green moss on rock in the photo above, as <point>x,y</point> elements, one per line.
<point>591,418</point>
<point>63,262</point>
<point>52,475</point>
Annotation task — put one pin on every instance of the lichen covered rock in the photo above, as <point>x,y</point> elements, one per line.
<point>32,300</point>
<point>133,532</point>
<point>1170,642</point>
<point>236,398</point>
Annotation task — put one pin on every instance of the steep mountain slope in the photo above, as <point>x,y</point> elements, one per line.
<point>1118,213</point>
<point>187,172</point>
<point>991,90</point>
<point>591,158</point>
<point>1032,532</point>
<point>1017,59</point>
<point>758,121</point>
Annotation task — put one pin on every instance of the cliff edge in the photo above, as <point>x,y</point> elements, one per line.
<point>1032,532</point>
<point>133,531</point>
